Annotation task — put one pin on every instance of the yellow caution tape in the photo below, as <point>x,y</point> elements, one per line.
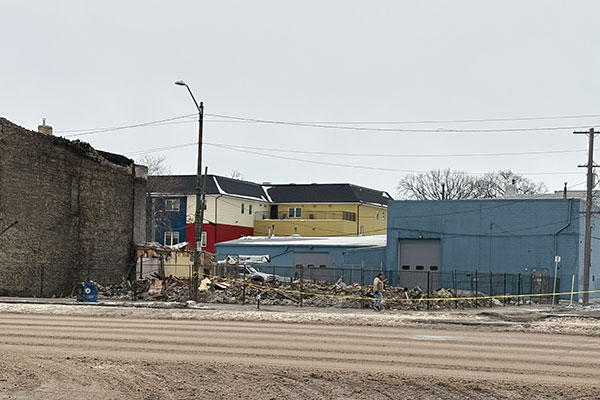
<point>503,296</point>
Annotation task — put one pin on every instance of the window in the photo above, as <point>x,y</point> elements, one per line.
<point>419,268</point>
<point>406,267</point>
<point>171,204</point>
<point>203,240</point>
<point>295,212</point>
<point>377,215</point>
<point>242,207</point>
<point>250,209</point>
<point>171,238</point>
<point>433,268</point>
<point>383,216</point>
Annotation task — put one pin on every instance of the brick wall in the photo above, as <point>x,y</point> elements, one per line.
<point>75,212</point>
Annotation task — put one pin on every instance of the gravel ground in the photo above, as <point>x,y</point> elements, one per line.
<point>158,351</point>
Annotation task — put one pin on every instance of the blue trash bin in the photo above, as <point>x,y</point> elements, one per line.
<point>90,292</point>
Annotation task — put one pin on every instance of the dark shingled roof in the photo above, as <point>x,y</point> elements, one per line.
<point>286,193</point>
<point>186,184</point>
<point>326,193</point>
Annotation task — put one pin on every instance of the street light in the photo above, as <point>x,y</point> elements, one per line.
<point>199,216</point>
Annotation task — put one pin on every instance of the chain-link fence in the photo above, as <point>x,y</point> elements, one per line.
<point>472,284</point>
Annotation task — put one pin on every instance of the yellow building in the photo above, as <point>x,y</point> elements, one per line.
<point>323,210</point>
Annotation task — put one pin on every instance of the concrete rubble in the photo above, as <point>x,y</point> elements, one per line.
<point>297,293</point>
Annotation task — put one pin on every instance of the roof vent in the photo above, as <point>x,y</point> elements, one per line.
<point>45,129</point>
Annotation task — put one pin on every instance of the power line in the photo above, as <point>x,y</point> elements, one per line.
<point>405,130</point>
<point>400,155</point>
<point>143,124</point>
<point>370,167</point>
<point>507,154</point>
<point>347,125</point>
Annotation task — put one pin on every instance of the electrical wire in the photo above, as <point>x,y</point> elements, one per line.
<point>504,154</point>
<point>348,125</point>
<point>406,130</point>
<point>365,167</point>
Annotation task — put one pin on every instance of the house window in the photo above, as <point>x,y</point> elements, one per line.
<point>295,212</point>
<point>250,209</point>
<point>383,216</point>
<point>171,204</point>
<point>377,216</point>
<point>203,240</point>
<point>243,207</point>
<point>171,238</point>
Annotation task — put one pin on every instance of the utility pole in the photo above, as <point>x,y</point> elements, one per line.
<point>199,215</point>
<point>587,246</point>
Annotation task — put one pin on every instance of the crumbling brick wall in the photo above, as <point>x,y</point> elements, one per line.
<point>75,212</point>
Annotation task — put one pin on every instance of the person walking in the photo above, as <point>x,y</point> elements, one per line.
<point>378,286</point>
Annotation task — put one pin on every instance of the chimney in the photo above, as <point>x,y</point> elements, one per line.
<point>45,129</point>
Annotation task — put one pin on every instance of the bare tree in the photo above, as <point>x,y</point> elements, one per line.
<point>493,185</point>
<point>235,174</point>
<point>461,185</point>
<point>156,164</point>
<point>428,185</point>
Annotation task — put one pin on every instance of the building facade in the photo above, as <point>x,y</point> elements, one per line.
<point>231,207</point>
<point>518,236</point>
<point>354,259</point>
<point>236,208</point>
<point>68,213</point>
<point>323,210</point>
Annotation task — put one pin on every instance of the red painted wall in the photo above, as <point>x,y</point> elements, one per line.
<point>216,234</point>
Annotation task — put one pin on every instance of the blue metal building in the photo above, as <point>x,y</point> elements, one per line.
<point>324,258</point>
<point>512,236</point>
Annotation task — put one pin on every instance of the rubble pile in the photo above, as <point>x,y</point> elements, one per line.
<point>289,293</point>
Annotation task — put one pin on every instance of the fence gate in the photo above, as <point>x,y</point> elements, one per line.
<point>417,258</point>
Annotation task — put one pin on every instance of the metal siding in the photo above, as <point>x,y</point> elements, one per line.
<point>425,253</point>
<point>498,236</point>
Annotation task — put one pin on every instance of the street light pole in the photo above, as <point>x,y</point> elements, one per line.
<point>199,216</point>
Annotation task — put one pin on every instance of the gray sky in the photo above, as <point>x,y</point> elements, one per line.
<point>113,63</point>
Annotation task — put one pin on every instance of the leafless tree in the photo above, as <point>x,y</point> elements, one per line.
<point>156,164</point>
<point>461,185</point>
<point>428,185</point>
<point>235,174</point>
<point>493,185</point>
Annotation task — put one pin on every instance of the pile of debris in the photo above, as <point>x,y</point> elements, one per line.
<point>290,293</point>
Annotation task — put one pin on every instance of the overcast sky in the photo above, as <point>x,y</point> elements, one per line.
<point>85,65</point>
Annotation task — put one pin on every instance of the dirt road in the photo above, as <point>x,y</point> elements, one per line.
<point>55,357</point>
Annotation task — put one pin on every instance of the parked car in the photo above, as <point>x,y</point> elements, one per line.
<point>250,273</point>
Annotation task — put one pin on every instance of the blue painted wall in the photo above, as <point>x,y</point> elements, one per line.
<point>168,220</point>
<point>499,236</point>
<point>282,258</point>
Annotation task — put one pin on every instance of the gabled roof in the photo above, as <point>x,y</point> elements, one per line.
<point>186,185</point>
<point>326,193</point>
<point>278,193</point>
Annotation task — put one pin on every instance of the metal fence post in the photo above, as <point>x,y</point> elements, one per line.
<point>428,289</point>
<point>519,288</point>
<point>243,286</point>
<point>476,288</point>
<point>302,286</point>
<point>505,288</point>
<point>454,286</point>
<point>362,286</point>
<point>491,289</point>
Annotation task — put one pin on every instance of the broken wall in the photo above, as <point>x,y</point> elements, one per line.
<point>75,209</point>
